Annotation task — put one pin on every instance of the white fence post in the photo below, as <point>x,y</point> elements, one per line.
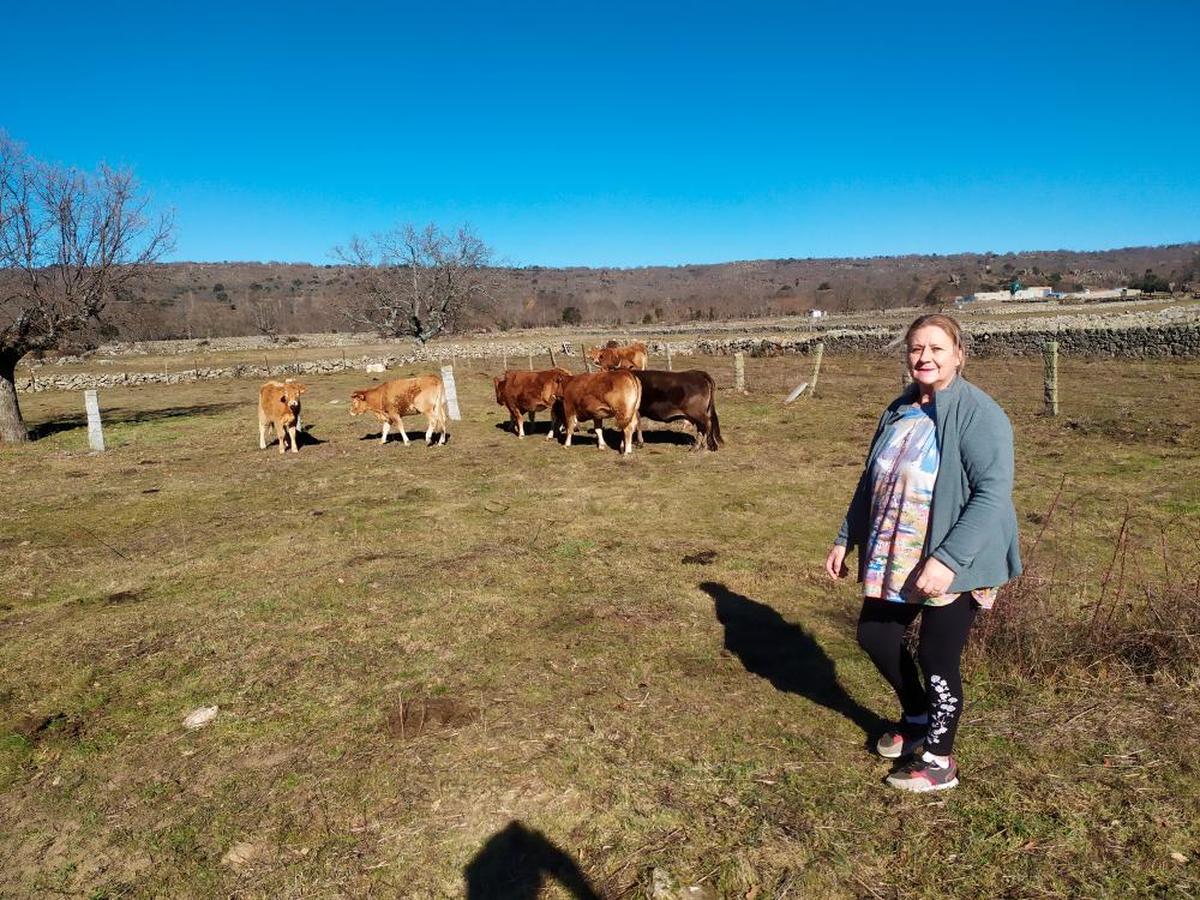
<point>95,431</point>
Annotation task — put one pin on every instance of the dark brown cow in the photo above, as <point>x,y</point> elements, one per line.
<point>690,395</point>
<point>523,392</point>
<point>613,356</point>
<point>392,400</point>
<point>601,396</point>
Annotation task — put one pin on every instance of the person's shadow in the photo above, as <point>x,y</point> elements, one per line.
<point>514,864</point>
<point>786,655</point>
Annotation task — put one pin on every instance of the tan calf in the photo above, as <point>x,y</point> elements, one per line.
<point>279,406</point>
<point>390,401</point>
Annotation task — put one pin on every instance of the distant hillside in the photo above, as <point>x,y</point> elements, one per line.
<point>226,299</point>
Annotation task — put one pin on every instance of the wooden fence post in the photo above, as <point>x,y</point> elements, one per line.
<point>818,355</point>
<point>739,372</point>
<point>1050,377</point>
<point>587,363</point>
<point>505,360</point>
<point>553,361</point>
<point>530,362</point>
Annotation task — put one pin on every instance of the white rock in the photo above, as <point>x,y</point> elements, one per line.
<point>198,718</point>
<point>240,854</point>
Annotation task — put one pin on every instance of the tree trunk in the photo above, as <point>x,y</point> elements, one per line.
<point>12,426</point>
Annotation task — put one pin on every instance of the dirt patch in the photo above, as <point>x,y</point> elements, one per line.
<point>412,718</point>
<point>115,598</point>
<point>700,558</point>
<point>37,728</point>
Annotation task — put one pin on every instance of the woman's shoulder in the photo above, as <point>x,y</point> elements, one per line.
<point>977,402</point>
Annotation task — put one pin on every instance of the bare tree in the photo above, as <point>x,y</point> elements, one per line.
<point>70,243</point>
<point>264,316</point>
<point>415,283</point>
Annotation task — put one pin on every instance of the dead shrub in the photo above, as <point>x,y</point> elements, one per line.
<point>1138,612</point>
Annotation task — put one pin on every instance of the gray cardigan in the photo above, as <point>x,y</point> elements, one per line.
<point>972,522</point>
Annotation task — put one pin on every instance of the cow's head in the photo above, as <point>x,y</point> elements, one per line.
<point>358,403</point>
<point>558,380</point>
<point>290,394</point>
<point>593,355</point>
<point>499,383</point>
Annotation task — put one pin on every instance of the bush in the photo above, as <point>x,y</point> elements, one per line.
<point>572,316</point>
<point>1137,613</point>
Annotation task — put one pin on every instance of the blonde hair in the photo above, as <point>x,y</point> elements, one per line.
<point>947,323</point>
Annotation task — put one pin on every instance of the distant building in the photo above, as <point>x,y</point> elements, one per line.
<point>816,313</point>
<point>1110,294</point>
<point>1027,293</point>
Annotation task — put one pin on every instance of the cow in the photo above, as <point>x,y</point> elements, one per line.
<point>390,401</point>
<point>599,396</point>
<point>691,395</point>
<point>523,392</point>
<point>279,407</point>
<point>613,356</point>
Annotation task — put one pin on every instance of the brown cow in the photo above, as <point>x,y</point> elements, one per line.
<point>613,356</point>
<point>391,400</point>
<point>523,392</point>
<point>615,394</point>
<point>691,395</point>
<point>279,407</point>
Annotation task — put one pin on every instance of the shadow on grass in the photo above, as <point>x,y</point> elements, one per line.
<point>119,416</point>
<point>304,438</point>
<point>414,436</point>
<point>541,428</point>
<point>515,863</point>
<point>786,655</point>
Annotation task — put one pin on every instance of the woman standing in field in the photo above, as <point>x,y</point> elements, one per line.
<point>936,533</point>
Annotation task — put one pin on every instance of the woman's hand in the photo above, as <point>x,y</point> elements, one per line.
<point>934,578</point>
<point>835,562</point>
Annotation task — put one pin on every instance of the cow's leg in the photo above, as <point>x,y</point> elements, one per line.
<point>387,428</point>
<point>641,440</point>
<point>403,433</point>
<point>262,435</point>
<point>630,427</point>
<point>292,434</point>
<point>598,427</point>
<point>429,431</point>
<point>571,422</point>
<point>519,420</point>
<point>281,433</point>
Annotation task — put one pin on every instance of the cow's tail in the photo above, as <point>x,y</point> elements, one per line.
<point>713,439</point>
<point>444,410</point>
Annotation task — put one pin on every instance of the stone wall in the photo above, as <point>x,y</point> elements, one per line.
<point>1181,341</point>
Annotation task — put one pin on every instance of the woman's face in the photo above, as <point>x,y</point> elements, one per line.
<point>933,360</point>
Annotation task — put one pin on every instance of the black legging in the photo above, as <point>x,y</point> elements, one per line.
<point>943,634</point>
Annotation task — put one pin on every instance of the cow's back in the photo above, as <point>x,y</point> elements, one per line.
<point>405,396</point>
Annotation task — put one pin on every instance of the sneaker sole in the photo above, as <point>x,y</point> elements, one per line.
<point>923,787</point>
<point>899,753</point>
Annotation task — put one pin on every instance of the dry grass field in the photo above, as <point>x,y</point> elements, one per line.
<point>503,668</point>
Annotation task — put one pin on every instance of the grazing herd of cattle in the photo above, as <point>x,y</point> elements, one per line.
<point>623,390</point>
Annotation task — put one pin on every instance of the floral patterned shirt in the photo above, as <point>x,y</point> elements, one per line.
<point>903,477</point>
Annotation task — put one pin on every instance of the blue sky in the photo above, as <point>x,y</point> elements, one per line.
<point>624,134</point>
